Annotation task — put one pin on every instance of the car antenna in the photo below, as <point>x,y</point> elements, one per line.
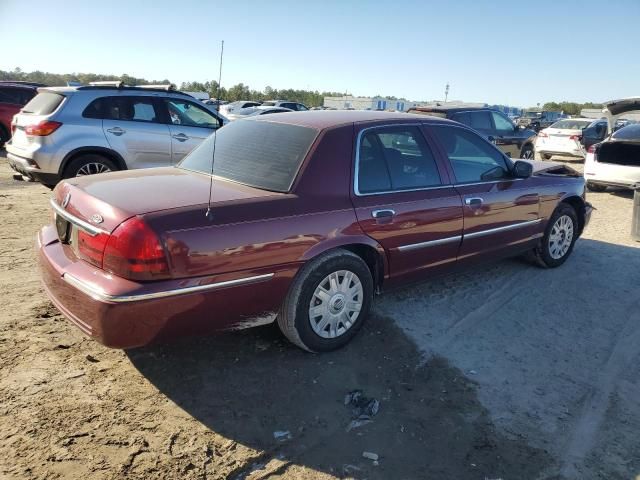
<point>209,213</point>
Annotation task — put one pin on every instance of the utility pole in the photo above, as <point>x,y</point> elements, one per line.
<point>446,93</point>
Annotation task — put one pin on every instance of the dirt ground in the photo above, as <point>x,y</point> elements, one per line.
<point>507,371</point>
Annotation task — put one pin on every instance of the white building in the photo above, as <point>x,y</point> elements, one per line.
<point>349,102</point>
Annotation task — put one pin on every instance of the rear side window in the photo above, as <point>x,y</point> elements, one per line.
<point>128,108</point>
<point>480,121</point>
<point>260,154</point>
<point>395,159</point>
<point>43,104</point>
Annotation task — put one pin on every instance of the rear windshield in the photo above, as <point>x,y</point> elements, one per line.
<point>630,132</point>
<point>260,154</point>
<point>571,124</point>
<point>43,104</point>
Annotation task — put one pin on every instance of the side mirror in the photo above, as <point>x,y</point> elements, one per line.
<point>522,169</point>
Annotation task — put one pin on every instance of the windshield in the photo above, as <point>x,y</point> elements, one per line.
<point>260,154</point>
<point>571,124</point>
<point>630,132</point>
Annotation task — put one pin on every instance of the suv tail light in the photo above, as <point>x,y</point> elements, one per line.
<point>134,251</point>
<point>14,124</point>
<point>575,137</point>
<point>43,128</point>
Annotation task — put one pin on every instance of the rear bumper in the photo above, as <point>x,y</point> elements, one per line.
<point>30,169</point>
<point>123,314</point>
<point>611,175</point>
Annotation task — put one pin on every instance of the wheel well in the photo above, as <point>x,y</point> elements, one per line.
<point>372,258</point>
<point>578,205</point>
<point>105,152</point>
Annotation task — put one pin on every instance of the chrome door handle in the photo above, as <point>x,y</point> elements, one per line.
<point>117,131</point>
<point>383,213</point>
<point>181,137</point>
<point>473,201</point>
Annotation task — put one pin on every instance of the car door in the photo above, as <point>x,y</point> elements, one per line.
<point>404,200</point>
<point>189,125</point>
<point>500,212</point>
<point>132,126</point>
<point>506,135</point>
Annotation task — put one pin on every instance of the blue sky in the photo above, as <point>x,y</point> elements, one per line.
<point>512,52</point>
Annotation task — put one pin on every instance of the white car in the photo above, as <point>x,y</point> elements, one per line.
<point>562,138</point>
<point>232,107</point>
<point>614,162</point>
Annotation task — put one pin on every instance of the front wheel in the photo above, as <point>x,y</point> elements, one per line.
<point>328,302</point>
<point>559,238</point>
<point>546,156</point>
<point>527,152</point>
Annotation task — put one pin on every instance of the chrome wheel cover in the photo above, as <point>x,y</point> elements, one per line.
<point>336,304</point>
<point>561,237</point>
<point>528,155</point>
<point>92,168</point>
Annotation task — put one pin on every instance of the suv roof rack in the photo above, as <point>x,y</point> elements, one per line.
<point>108,83</point>
<point>167,87</point>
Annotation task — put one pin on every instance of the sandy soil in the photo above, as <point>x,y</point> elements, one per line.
<point>507,372</point>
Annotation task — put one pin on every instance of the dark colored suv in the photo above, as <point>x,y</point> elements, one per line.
<point>13,96</point>
<point>537,120</point>
<point>515,141</point>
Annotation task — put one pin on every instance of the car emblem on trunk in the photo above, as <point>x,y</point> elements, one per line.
<point>65,200</point>
<point>96,218</point>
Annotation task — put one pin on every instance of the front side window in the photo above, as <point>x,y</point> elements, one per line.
<point>188,114</point>
<point>264,155</point>
<point>472,158</point>
<point>301,108</point>
<point>503,125</point>
<point>395,159</point>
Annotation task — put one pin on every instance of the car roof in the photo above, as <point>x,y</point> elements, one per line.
<point>443,109</point>
<point>28,86</point>
<point>321,119</point>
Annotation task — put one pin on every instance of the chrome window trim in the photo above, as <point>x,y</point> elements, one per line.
<point>356,189</point>
<point>101,296</point>
<point>432,243</point>
<point>506,228</point>
<point>91,229</point>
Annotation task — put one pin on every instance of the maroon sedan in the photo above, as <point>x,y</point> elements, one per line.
<point>312,214</point>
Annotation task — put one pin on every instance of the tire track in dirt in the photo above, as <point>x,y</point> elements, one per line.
<point>595,405</point>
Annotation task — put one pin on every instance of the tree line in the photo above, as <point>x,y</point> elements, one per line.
<point>311,98</point>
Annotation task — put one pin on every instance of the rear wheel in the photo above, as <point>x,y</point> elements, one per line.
<point>328,302</point>
<point>89,164</point>
<point>559,237</point>
<point>546,156</point>
<point>594,187</point>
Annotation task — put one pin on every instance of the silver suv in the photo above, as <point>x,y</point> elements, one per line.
<point>65,132</point>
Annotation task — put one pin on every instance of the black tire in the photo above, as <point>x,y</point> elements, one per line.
<point>4,136</point>
<point>546,156</point>
<point>294,317</point>
<point>595,187</point>
<point>527,152</point>
<point>543,252</point>
<point>74,167</point>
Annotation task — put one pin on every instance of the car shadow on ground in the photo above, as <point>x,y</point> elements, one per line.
<point>246,386</point>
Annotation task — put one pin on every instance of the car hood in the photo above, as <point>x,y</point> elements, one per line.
<point>624,105</point>
<point>117,196</point>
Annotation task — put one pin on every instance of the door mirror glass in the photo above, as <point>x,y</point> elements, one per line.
<point>522,169</point>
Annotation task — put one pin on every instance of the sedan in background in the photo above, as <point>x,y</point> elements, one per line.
<point>299,221</point>
<point>295,106</point>
<point>562,138</point>
<point>232,107</point>
<point>254,111</point>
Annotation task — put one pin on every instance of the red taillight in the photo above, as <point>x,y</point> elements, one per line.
<point>542,134</point>
<point>42,129</point>
<point>134,251</point>
<point>575,137</point>
<point>591,149</point>
<point>13,125</point>
<point>91,247</point>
